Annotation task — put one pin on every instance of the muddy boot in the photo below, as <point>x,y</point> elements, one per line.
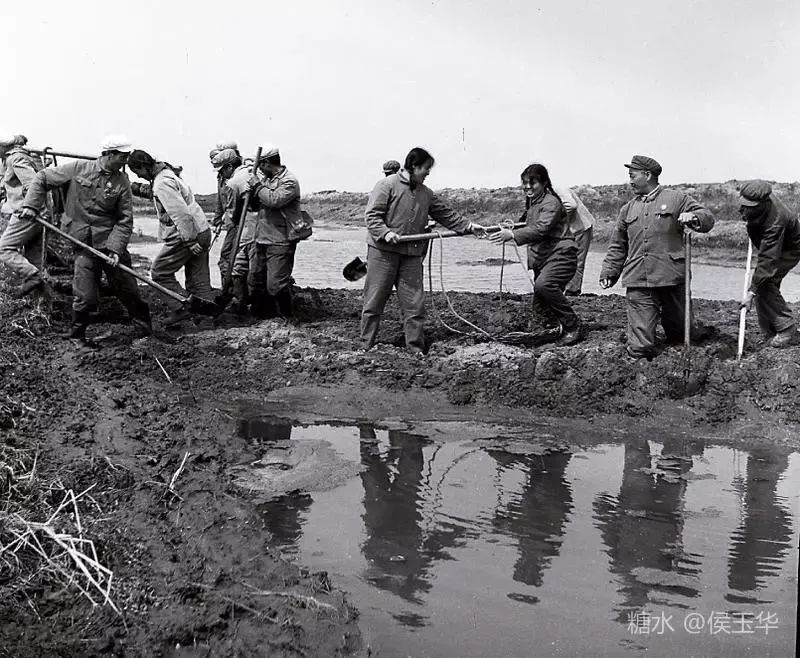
<point>573,335</point>
<point>784,338</point>
<point>239,304</point>
<point>176,317</point>
<point>33,282</point>
<point>263,306</point>
<point>283,300</point>
<point>142,326</point>
<point>77,332</point>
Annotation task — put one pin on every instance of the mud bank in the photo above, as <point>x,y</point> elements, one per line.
<point>190,551</point>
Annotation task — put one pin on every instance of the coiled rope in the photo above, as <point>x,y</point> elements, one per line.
<point>480,331</point>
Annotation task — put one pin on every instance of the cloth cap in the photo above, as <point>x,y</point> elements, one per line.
<point>212,153</point>
<point>116,143</point>
<point>227,145</point>
<point>644,163</point>
<point>225,156</point>
<point>391,166</point>
<point>754,192</point>
<point>13,140</point>
<point>268,150</point>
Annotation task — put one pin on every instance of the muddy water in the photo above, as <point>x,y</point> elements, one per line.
<point>452,545</point>
<point>470,266</point>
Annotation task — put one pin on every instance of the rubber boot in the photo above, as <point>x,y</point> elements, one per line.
<point>239,305</point>
<point>77,332</point>
<point>33,282</point>
<point>263,306</point>
<point>284,302</point>
<point>142,323</point>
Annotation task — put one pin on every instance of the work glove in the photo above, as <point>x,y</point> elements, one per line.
<point>195,248</point>
<point>689,220</point>
<point>391,237</point>
<point>501,236</point>
<point>747,300</point>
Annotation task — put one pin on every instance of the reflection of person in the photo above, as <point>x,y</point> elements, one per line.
<point>538,517</point>
<point>643,526</point>
<point>393,490</point>
<point>283,517</point>
<point>646,250</point>
<point>552,254</point>
<point>775,233</point>
<point>765,534</point>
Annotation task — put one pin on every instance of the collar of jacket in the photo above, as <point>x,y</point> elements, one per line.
<point>538,197</point>
<point>652,194</point>
<point>18,149</point>
<point>280,174</point>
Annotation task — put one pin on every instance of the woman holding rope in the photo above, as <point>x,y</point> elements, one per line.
<point>552,252</point>
<point>400,204</point>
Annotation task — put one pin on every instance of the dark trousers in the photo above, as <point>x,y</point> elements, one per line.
<point>173,256</point>
<point>387,270</point>
<point>583,241</point>
<point>225,252</point>
<point>86,286</point>
<point>645,307</point>
<point>774,315</point>
<point>552,273</point>
<point>271,269</point>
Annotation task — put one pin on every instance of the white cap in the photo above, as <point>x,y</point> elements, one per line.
<point>268,150</point>
<point>116,143</point>
<point>228,145</point>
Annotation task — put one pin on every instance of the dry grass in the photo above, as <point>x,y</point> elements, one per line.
<point>37,553</point>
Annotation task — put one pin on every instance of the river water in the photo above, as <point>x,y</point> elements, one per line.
<point>455,545</point>
<point>320,260</point>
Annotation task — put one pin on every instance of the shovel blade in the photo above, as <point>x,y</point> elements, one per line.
<point>202,306</point>
<point>356,269</point>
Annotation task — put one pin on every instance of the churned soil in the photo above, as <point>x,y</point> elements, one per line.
<point>190,552</point>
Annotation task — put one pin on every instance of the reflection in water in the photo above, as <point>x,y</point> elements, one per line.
<point>442,570</point>
<point>282,515</point>
<point>393,490</point>
<point>642,527</point>
<point>762,540</point>
<point>538,516</point>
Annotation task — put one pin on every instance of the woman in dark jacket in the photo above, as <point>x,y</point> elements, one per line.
<point>552,253</point>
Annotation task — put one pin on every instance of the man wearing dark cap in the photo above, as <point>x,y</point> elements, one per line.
<point>391,167</point>
<point>775,232</point>
<point>646,250</point>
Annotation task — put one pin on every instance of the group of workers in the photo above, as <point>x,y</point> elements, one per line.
<point>259,208</point>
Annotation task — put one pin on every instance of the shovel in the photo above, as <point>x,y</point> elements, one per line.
<point>224,298</point>
<point>743,311</point>
<point>192,303</point>
<point>357,268</point>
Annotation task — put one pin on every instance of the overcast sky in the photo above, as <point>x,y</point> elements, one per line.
<point>709,88</point>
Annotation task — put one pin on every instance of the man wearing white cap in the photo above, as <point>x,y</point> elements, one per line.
<point>97,211</point>
<point>21,236</point>
<point>277,198</point>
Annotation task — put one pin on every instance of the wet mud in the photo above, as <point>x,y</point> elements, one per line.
<point>153,426</point>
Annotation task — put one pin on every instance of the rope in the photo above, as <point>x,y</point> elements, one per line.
<point>436,313</point>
